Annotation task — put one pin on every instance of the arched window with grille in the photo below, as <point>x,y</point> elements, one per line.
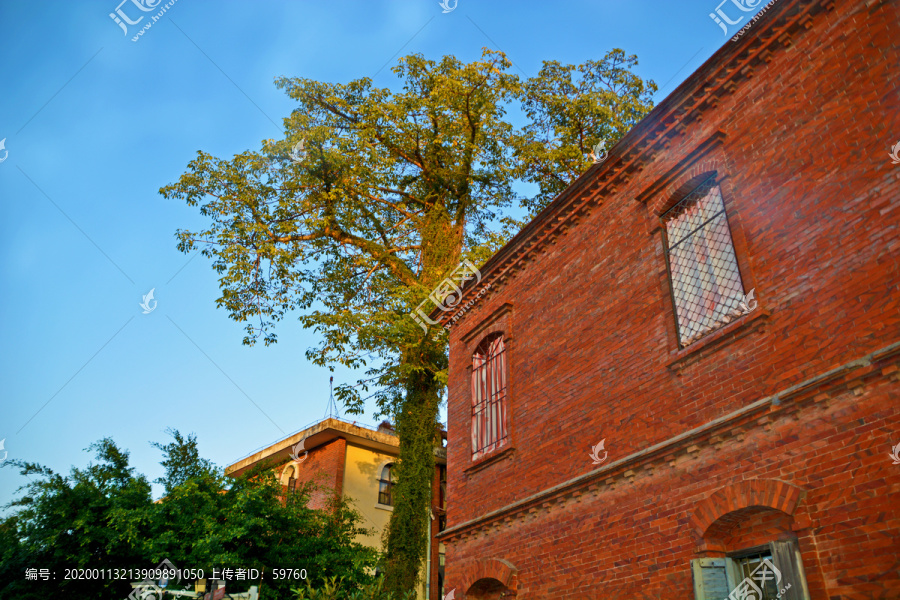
<point>386,485</point>
<point>489,406</point>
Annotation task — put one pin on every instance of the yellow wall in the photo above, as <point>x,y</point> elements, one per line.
<point>361,474</point>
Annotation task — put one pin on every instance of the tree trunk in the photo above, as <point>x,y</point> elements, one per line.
<point>407,536</point>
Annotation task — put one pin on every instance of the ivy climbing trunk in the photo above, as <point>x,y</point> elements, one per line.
<point>407,537</point>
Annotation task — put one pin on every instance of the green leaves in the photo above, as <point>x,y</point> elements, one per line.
<point>183,462</point>
<point>336,589</point>
<point>570,109</point>
<point>395,188</point>
<point>77,521</point>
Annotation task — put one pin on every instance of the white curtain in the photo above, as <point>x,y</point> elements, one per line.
<point>489,408</point>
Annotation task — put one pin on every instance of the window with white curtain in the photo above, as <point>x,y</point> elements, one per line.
<point>703,271</point>
<point>489,406</point>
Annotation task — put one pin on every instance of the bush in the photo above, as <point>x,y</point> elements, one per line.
<point>336,589</point>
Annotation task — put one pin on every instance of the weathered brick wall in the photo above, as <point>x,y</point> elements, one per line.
<point>814,206</point>
<point>324,466</point>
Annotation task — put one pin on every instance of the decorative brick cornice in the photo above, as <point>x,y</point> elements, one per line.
<point>878,366</point>
<point>720,76</point>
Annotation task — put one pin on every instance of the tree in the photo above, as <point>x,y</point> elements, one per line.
<point>386,192</point>
<point>568,115</point>
<point>182,461</point>
<point>94,518</point>
<point>253,524</point>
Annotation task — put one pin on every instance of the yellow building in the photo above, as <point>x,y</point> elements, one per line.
<point>356,461</point>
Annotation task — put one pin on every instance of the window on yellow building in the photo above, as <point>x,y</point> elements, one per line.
<point>386,484</point>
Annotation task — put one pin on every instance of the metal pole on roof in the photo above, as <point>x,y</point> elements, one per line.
<point>332,410</point>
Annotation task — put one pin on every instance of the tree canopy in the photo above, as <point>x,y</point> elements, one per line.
<point>392,190</point>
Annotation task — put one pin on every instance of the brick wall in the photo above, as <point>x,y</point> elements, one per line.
<point>324,466</point>
<point>800,147</point>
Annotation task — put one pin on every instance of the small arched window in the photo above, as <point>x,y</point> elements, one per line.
<point>489,407</point>
<point>289,477</point>
<point>386,484</point>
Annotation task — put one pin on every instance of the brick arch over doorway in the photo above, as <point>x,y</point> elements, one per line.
<point>732,501</point>
<point>481,573</point>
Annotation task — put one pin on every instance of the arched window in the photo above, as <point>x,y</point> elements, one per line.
<point>289,477</point>
<point>386,484</point>
<point>489,396</point>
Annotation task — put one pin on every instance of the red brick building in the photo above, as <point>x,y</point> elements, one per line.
<point>746,440</point>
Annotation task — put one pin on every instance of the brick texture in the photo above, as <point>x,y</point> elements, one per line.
<point>700,464</point>
<point>324,467</point>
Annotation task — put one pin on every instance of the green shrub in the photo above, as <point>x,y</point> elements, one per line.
<point>336,589</point>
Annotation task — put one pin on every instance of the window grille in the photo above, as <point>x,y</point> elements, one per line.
<point>747,565</point>
<point>703,270</point>
<point>386,485</point>
<point>489,424</point>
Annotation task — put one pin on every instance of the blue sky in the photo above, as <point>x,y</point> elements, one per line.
<point>95,124</point>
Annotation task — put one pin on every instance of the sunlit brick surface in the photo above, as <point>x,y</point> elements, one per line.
<point>807,108</point>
